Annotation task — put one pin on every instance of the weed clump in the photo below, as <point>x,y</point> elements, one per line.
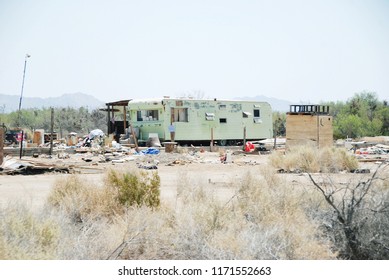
<point>313,160</point>
<point>121,190</point>
<point>26,236</point>
<point>277,225</point>
<point>261,216</point>
<point>356,219</point>
<point>135,189</point>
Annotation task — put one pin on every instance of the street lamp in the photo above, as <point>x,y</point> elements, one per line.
<point>20,105</point>
<point>21,93</point>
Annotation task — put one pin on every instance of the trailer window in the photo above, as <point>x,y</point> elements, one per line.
<point>179,114</point>
<point>147,115</point>
<point>223,120</point>
<point>257,116</point>
<point>209,116</point>
<point>257,113</point>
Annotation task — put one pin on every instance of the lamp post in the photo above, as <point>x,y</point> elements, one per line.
<point>20,105</point>
<point>21,93</point>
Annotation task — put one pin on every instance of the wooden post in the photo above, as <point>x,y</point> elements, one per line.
<point>52,131</point>
<point>211,145</point>
<point>124,119</point>
<point>1,145</point>
<point>244,137</point>
<point>113,120</point>
<point>21,145</point>
<point>275,129</point>
<point>108,120</point>
<point>318,130</point>
<point>275,142</point>
<point>134,136</point>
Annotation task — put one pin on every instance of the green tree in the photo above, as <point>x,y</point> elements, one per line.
<point>66,120</point>
<point>348,125</point>
<point>383,115</point>
<point>364,104</point>
<point>361,115</point>
<point>372,128</point>
<point>279,123</point>
<point>98,119</point>
<point>336,108</point>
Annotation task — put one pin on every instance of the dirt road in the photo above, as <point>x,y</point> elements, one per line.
<point>205,171</point>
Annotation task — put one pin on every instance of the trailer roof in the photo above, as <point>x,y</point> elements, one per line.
<point>189,99</point>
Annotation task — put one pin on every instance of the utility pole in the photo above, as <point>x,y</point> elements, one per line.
<point>51,131</point>
<point>21,93</point>
<point>20,105</point>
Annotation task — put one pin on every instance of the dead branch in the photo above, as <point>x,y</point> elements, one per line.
<point>119,250</point>
<point>329,198</point>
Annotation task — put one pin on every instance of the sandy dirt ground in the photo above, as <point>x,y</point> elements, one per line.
<point>203,170</point>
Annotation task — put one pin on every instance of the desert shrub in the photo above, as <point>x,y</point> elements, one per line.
<point>300,158</point>
<point>198,222</point>
<point>333,160</point>
<point>348,162</point>
<point>53,235</point>
<point>356,219</point>
<point>280,227</point>
<point>64,189</point>
<point>135,189</point>
<point>263,220</point>
<point>182,231</point>
<point>92,239</point>
<point>310,159</point>
<point>27,236</point>
<point>84,201</point>
<point>89,215</point>
<point>143,233</point>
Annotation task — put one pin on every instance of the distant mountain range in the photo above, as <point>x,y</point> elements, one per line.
<point>275,103</point>
<point>10,103</point>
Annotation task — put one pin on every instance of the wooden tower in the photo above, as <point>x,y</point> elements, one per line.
<point>309,125</point>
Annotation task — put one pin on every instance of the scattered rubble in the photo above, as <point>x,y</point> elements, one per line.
<point>293,171</point>
<point>96,159</point>
<point>378,149</point>
<point>12,166</point>
<point>360,170</point>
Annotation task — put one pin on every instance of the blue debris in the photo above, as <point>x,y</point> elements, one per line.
<point>150,151</point>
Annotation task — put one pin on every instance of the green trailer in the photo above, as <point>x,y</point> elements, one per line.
<point>227,122</point>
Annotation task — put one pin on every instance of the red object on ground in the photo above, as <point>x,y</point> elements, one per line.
<point>249,147</point>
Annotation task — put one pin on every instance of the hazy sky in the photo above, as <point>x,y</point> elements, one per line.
<point>302,51</point>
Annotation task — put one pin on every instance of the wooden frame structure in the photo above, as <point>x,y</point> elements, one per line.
<point>114,126</point>
<point>309,125</point>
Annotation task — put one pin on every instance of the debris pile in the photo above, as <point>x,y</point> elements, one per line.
<point>378,149</point>
<point>93,152</point>
<point>12,166</point>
